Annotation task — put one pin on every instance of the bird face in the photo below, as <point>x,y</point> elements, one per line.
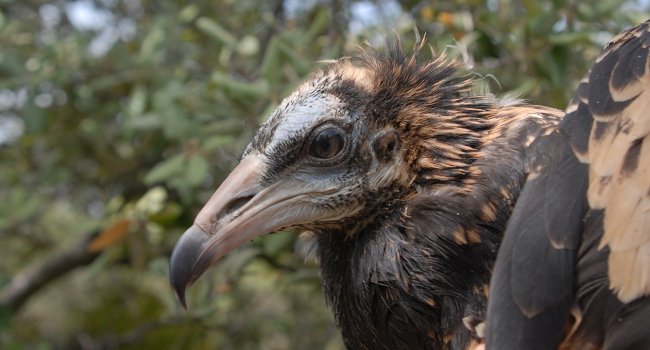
<point>319,163</point>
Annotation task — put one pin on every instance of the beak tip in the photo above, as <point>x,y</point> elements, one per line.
<point>179,286</point>
<point>180,296</point>
<point>183,262</point>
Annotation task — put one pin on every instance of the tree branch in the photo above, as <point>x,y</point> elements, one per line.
<point>36,276</point>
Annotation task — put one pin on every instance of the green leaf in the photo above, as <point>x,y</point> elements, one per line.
<point>273,244</point>
<point>197,169</point>
<point>138,100</point>
<point>319,24</point>
<point>272,63</point>
<point>166,169</point>
<point>168,214</point>
<point>248,46</point>
<point>297,61</point>
<point>152,202</point>
<point>154,38</point>
<point>566,38</point>
<point>168,105</point>
<point>5,318</point>
<point>216,32</point>
<point>304,276</point>
<point>17,206</point>
<point>234,263</point>
<point>218,141</point>
<point>256,89</point>
<point>147,121</point>
<point>188,13</point>
<point>598,9</point>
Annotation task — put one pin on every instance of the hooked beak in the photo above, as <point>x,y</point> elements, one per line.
<point>240,210</point>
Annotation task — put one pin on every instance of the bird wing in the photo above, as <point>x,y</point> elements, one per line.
<point>618,154</point>
<point>593,181</point>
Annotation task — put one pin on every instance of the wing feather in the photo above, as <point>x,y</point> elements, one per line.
<point>619,158</point>
<point>583,219</point>
<point>529,306</point>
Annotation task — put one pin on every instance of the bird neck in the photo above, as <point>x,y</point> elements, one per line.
<point>396,286</point>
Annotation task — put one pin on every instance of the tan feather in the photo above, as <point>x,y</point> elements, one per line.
<point>619,179</point>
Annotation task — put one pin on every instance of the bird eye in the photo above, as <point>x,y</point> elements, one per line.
<point>327,144</point>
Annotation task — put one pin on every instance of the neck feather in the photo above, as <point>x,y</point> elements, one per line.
<point>403,283</point>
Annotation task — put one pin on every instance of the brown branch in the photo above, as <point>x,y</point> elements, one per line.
<point>36,276</point>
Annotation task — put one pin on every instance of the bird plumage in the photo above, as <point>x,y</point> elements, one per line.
<point>407,180</point>
<point>408,278</point>
<point>574,267</point>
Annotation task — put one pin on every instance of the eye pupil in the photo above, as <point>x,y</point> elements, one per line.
<point>327,144</point>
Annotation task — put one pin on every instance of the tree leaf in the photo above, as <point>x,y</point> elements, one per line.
<point>273,244</point>
<point>151,202</point>
<point>197,170</point>
<point>256,89</point>
<point>166,169</point>
<point>217,32</point>
<point>110,236</point>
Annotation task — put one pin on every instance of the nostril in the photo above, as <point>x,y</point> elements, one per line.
<point>235,204</point>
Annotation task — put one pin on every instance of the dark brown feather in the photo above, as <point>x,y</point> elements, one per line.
<point>410,276</point>
<point>574,267</point>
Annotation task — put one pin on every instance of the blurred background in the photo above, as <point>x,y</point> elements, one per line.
<point>119,118</point>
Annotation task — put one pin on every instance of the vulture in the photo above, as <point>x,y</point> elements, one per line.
<point>405,181</point>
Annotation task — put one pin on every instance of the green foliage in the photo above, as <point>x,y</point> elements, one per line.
<point>136,116</point>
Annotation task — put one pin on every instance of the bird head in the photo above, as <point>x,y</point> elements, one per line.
<point>348,145</point>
